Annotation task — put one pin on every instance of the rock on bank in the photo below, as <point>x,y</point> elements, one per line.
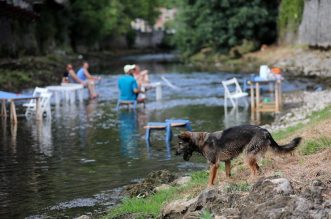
<point>271,197</point>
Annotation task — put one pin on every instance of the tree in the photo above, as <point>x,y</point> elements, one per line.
<point>92,20</point>
<point>222,24</point>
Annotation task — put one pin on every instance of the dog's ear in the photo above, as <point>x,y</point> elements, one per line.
<point>185,136</point>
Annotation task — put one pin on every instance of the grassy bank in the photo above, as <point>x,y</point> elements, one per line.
<point>313,143</point>
<point>245,61</point>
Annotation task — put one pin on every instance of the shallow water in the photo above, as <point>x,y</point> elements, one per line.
<point>74,163</point>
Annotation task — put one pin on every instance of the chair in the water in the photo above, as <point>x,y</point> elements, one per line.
<point>235,94</point>
<point>128,103</point>
<point>167,125</point>
<point>44,103</point>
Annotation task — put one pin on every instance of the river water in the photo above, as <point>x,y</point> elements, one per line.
<point>75,162</point>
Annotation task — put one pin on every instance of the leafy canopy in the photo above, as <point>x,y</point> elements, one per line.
<point>223,24</point>
<point>91,20</point>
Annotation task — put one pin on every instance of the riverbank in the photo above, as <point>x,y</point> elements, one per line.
<point>300,180</point>
<point>26,72</point>
<point>294,61</point>
<point>31,71</point>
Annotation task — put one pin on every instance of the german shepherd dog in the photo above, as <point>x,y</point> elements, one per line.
<point>252,140</point>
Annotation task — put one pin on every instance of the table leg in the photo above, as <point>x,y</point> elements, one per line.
<point>66,96</point>
<point>13,132</point>
<point>80,95</point>
<point>13,116</point>
<point>57,98</point>
<point>158,92</point>
<point>3,108</point>
<point>38,110</point>
<point>276,97</point>
<point>252,98</point>
<point>257,105</point>
<point>72,96</point>
<point>280,94</point>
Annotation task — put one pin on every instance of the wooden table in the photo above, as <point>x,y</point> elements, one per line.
<point>68,91</point>
<point>257,105</point>
<point>11,98</point>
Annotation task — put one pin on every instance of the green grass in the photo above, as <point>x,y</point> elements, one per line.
<point>314,118</point>
<point>314,145</point>
<point>206,215</point>
<point>238,187</point>
<point>151,206</point>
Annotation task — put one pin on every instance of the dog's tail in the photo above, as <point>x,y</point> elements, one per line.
<point>283,149</point>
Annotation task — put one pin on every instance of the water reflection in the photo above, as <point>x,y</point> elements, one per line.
<point>128,133</point>
<point>236,116</point>
<point>150,149</point>
<point>41,132</point>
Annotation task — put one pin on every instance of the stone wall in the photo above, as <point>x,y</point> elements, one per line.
<point>315,26</point>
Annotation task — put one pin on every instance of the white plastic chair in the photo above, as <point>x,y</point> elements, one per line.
<point>44,103</point>
<point>37,92</point>
<point>234,95</point>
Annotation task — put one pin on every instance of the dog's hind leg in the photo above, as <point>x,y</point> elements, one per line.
<point>212,174</point>
<point>228,168</point>
<point>251,161</point>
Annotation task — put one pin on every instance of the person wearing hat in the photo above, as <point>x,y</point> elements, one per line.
<point>127,84</point>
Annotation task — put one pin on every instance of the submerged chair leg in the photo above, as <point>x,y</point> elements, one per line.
<point>188,126</point>
<point>168,132</point>
<point>118,105</point>
<point>233,103</point>
<point>147,134</point>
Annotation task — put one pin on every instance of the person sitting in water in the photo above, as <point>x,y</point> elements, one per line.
<point>70,76</point>
<point>128,85</point>
<point>140,76</point>
<point>89,81</point>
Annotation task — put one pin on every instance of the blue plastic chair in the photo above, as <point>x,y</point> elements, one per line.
<point>167,125</point>
<point>155,125</point>
<point>176,123</point>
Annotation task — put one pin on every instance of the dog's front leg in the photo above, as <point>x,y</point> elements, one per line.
<point>212,174</point>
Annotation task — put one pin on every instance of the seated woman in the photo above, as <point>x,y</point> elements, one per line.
<point>140,76</point>
<point>70,76</point>
<point>142,80</point>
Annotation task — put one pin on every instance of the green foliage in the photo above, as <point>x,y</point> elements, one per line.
<point>238,187</point>
<point>206,215</point>
<point>314,145</point>
<point>12,79</point>
<point>224,24</point>
<point>87,22</point>
<point>93,20</point>
<point>148,206</point>
<point>313,119</point>
<point>152,205</point>
<point>290,14</point>
<point>199,177</point>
